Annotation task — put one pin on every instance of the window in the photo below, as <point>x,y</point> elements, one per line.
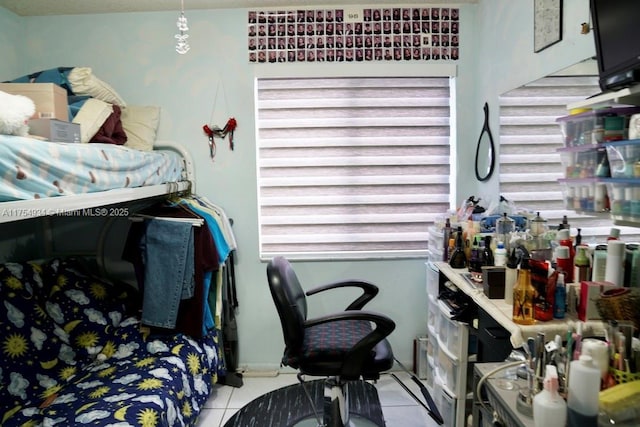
<point>351,167</point>
<point>530,164</point>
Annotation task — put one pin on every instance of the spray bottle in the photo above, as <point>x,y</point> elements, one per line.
<point>549,408</point>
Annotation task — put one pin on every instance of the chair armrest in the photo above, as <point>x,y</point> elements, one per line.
<point>362,349</point>
<point>369,290</point>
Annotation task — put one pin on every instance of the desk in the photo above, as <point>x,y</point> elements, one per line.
<point>501,312</point>
<point>498,399</point>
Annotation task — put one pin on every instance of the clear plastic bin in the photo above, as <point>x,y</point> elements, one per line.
<point>624,198</point>
<point>624,159</point>
<point>595,126</point>
<point>586,196</point>
<point>585,162</point>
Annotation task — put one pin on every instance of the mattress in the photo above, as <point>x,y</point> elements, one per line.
<point>34,169</point>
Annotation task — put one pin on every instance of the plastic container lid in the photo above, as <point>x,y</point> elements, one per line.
<point>578,110</point>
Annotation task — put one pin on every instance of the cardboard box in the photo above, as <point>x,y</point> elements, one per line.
<point>50,99</point>
<point>589,293</point>
<point>55,130</point>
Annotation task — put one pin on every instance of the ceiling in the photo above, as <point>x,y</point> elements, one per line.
<point>78,7</point>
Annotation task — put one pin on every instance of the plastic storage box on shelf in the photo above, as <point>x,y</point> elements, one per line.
<point>624,198</point>
<point>585,162</point>
<point>595,126</point>
<point>586,196</point>
<point>624,159</point>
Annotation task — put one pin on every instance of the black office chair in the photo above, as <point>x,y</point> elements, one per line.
<point>344,346</point>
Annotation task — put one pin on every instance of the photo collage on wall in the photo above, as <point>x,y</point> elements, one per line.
<point>342,35</point>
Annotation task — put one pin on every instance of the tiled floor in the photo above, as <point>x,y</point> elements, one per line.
<point>399,409</point>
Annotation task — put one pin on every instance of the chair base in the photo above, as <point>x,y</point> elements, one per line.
<point>290,407</point>
<point>354,421</point>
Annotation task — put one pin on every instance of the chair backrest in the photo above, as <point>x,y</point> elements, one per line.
<point>290,301</point>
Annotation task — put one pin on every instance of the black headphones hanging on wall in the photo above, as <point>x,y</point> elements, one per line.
<point>491,153</point>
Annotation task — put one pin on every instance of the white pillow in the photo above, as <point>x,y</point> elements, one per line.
<point>140,123</point>
<point>91,117</point>
<point>83,82</point>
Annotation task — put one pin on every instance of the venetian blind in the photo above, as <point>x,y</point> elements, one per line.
<point>530,164</point>
<point>351,167</point>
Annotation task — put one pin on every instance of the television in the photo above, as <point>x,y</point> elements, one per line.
<point>617,38</point>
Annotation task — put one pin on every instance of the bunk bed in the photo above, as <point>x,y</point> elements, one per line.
<point>73,347</point>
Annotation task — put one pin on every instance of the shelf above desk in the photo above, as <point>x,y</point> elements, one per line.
<point>501,312</point>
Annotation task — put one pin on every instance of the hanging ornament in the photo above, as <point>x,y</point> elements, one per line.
<point>182,46</point>
<point>218,132</point>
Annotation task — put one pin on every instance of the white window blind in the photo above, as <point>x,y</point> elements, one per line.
<point>530,164</point>
<point>351,167</point>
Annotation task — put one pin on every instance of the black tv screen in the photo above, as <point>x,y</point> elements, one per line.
<point>617,38</point>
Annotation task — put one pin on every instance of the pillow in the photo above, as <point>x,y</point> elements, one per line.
<point>15,111</point>
<point>91,117</point>
<point>140,123</point>
<point>88,308</point>
<point>83,82</point>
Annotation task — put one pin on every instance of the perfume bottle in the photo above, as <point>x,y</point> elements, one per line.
<point>458,257</point>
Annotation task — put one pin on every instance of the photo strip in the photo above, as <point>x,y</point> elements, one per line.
<point>353,35</point>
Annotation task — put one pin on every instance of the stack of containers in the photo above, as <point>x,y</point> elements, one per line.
<point>596,149</point>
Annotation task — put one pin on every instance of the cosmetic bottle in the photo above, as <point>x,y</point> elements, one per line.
<point>458,257</point>
<point>582,265</point>
<point>523,296</point>
<point>563,263</point>
<point>614,270</point>
<point>511,276</point>
<point>599,263</point>
<point>446,235</point>
<point>500,255</point>
<point>549,408</point>
<point>564,239</point>
<point>584,389</point>
<point>560,298</point>
<point>487,254</point>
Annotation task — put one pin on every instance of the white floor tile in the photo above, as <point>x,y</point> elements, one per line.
<point>210,418</point>
<point>219,398</point>
<point>230,412</point>
<point>392,394</point>
<point>407,416</point>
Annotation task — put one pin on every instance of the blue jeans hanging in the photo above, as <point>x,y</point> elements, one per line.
<point>168,257</point>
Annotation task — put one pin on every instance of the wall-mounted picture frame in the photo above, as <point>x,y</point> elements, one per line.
<point>547,23</point>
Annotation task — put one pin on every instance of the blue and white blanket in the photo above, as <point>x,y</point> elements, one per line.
<point>34,169</point>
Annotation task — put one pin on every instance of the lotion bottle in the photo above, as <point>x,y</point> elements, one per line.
<point>614,270</point>
<point>549,408</point>
<point>500,255</point>
<point>584,390</point>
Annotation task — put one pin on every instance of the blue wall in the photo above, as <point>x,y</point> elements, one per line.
<point>134,53</point>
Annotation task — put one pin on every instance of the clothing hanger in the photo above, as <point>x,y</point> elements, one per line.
<point>196,222</point>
